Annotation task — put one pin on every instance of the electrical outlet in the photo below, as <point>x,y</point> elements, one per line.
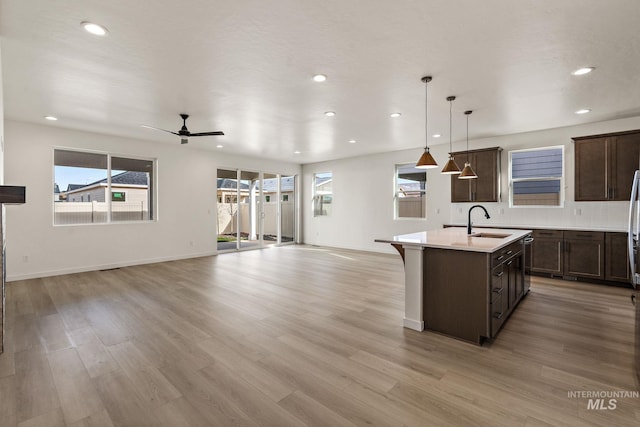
<point>25,258</point>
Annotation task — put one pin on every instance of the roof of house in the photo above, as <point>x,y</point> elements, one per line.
<point>123,178</point>
<point>226,183</point>
<point>271,185</point>
<point>56,189</point>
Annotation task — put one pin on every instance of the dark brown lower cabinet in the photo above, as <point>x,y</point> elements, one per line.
<point>616,258</point>
<point>584,254</point>
<point>547,251</point>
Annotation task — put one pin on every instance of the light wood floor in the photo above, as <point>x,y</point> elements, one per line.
<point>299,336</point>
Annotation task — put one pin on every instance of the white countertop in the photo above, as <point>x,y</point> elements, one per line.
<point>456,238</point>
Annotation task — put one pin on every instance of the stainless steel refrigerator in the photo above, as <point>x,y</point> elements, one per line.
<point>633,241</point>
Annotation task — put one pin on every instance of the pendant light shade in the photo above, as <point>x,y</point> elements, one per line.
<point>451,167</point>
<point>468,172</point>
<point>426,161</point>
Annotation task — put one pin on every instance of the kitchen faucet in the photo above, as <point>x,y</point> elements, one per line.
<point>486,215</point>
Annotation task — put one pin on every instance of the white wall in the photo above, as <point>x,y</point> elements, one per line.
<point>363,193</point>
<point>186,178</point>
<point>1,122</point>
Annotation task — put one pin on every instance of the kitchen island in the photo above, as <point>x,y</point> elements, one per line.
<point>461,285</point>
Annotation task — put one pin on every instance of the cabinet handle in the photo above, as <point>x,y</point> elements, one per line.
<point>633,298</point>
<point>500,274</point>
<point>500,257</point>
<point>510,262</point>
<point>509,252</point>
<point>498,315</point>
<point>498,291</point>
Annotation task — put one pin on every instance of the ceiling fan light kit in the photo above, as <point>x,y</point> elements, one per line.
<point>184,133</point>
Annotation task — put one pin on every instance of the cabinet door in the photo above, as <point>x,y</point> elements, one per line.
<point>546,252</point>
<point>624,161</point>
<point>485,187</point>
<point>460,188</point>
<point>591,169</point>
<point>616,258</point>
<point>584,254</point>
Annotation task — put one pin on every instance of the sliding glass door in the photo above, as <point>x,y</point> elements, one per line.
<point>227,209</point>
<point>255,209</point>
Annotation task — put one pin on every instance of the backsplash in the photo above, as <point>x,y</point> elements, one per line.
<point>603,215</point>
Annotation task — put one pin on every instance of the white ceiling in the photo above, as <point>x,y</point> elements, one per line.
<point>245,67</point>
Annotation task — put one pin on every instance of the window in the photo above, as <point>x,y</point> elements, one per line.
<point>322,193</point>
<point>410,191</point>
<point>536,177</point>
<point>116,188</point>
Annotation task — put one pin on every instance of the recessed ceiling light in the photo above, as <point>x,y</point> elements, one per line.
<point>319,78</point>
<point>219,146</point>
<point>583,71</point>
<point>436,135</point>
<point>329,113</point>
<point>395,115</point>
<point>583,111</point>
<point>296,152</point>
<point>95,29</point>
<point>53,119</point>
<point>352,141</point>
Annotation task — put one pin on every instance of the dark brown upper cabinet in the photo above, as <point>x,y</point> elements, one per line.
<point>604,165</point>
<point>485,188</point>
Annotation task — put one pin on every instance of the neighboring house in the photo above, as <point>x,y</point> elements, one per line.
<point>270,189</point>
<point>88,203</point>
<point>56,192</point>
<point>130,187</point>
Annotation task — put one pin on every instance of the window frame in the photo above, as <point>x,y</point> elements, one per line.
<point>153,191</point>
<point>317,195</point>
<point>561,178</point>
<point>396,194</point>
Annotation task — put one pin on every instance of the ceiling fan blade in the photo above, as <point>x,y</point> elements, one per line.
<point>207,133</point>
<point>154,128</point>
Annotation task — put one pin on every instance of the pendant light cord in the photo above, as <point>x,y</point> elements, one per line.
<point>426,115</point>
<point>450,143</point>
<point>467,137</point>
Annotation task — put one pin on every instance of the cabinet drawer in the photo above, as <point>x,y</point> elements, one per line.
<point>549,234</point>
<point>596,236</point>
<point>502,255</point>
<point>499,312</point>
<point>498,279</point>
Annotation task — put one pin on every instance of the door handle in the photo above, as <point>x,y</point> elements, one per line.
<point>633,299</point>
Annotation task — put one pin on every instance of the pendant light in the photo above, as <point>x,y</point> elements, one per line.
<point>451,167</point>
<point>468,172</point>
<point>426,160</point>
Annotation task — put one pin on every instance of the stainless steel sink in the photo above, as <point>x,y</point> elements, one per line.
<point>490,235</point>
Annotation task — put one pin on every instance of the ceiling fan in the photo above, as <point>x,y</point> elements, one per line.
<point>184,133</point>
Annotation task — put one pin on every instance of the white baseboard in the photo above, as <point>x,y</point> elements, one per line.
<point>413,324</point>
<point>97,267</point>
